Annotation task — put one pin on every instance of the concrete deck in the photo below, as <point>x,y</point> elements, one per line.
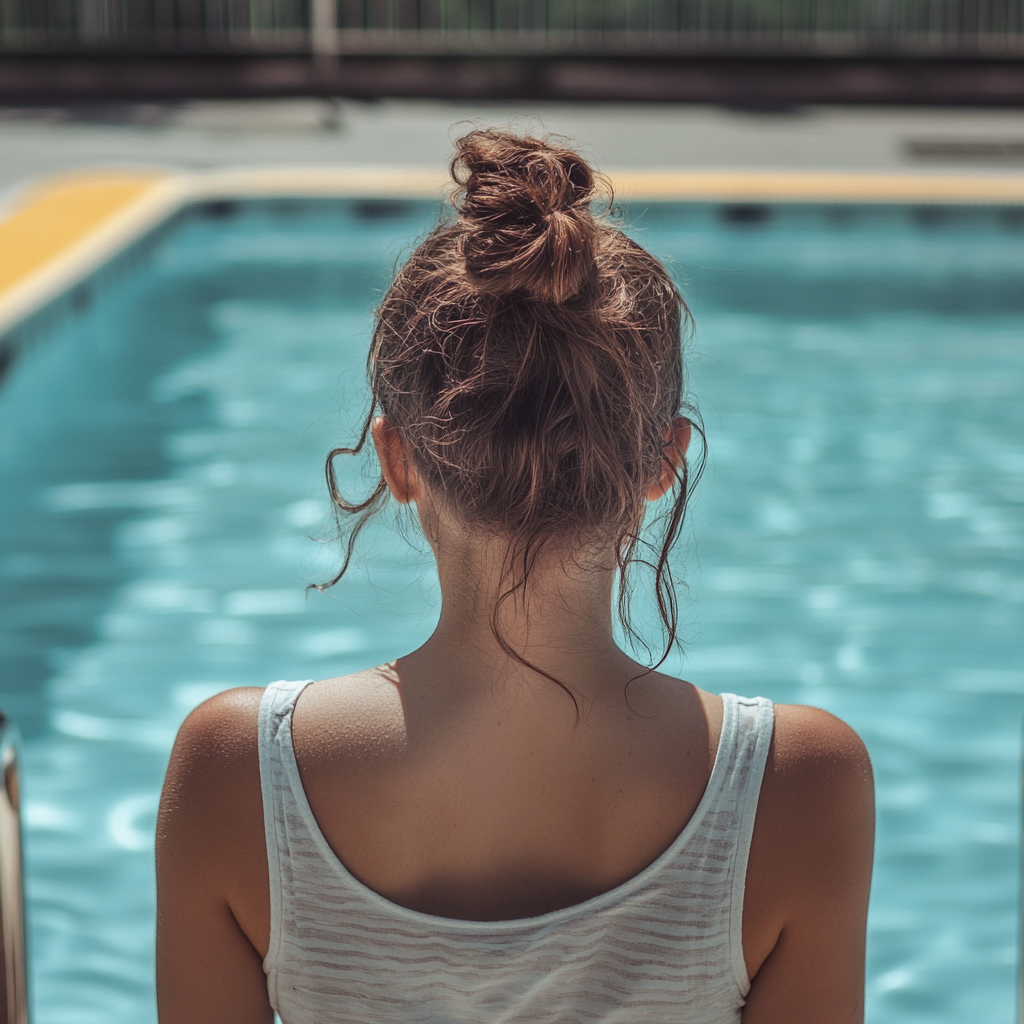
<point>246,133</point>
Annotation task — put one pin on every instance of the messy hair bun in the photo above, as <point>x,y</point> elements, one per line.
<point>528,353</point>
<point>524,206</point>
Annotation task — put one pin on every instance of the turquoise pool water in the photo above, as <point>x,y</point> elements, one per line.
<point>859,542</point>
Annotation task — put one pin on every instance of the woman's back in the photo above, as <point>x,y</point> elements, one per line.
<point>517,821</point>
<point>680,912</point>
<point>455,797</point>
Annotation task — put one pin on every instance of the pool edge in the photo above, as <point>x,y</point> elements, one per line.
<point>159,194</point>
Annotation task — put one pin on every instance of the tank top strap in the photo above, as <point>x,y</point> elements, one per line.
<point>279,783</point>
<point>747,726</point>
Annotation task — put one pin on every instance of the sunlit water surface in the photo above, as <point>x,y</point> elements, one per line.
<point>858,542</point>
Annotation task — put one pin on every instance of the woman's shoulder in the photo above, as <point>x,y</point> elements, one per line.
<point>222,729</point>
<point>210,848</point>
<point>813,745</point>
<point>816,807</point>
<point>809,869</point>
<point>215,760</point>
<point>222,733</point>
<point>808,743</point>
<point>818,773</point>
<point>817,786</point>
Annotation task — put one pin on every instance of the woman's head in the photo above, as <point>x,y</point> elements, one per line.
<point>528,356</point>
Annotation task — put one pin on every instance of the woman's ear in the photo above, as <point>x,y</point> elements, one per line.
<point>677,440</point>
<point>399,472</point>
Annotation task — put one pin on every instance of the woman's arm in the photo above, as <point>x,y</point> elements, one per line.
<point>810,871</point>
<point>212,881</point>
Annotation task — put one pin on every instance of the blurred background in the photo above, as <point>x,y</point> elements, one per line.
<point>927,84</point>
<point>859,365</point>
<point>747,52</point>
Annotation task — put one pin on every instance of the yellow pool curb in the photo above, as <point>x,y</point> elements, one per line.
<point>56,215</point>
<point>818,187</point>
<point>64,228</point>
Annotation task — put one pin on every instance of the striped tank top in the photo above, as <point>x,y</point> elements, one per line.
<point>664,946</point>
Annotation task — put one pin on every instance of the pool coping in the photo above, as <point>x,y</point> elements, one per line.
<point>114,207</point>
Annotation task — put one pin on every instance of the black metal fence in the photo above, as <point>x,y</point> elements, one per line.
<point>517,27</point>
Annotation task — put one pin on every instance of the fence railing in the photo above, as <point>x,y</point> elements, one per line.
<point>826,27</point>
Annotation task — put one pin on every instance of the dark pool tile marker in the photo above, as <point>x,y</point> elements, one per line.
<point>745,214</point>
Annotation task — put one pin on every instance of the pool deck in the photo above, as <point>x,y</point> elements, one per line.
<point>78,190</point>
<point>309,132</point>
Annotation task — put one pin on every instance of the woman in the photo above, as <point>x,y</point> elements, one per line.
<point>518,822</point>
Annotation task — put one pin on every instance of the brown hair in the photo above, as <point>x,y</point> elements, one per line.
<point>529,355</point>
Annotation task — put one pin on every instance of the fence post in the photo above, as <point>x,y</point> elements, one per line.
<point>324,27</point>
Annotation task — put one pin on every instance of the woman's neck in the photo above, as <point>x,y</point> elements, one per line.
<point>559,622</point>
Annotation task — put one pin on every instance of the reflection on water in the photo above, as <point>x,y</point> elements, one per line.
<point>859,545</point>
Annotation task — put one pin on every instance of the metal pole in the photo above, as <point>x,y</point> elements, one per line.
<point>13,984</point>
<point>324,27</point>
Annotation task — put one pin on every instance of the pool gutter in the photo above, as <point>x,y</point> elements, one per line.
<point>60,230</point>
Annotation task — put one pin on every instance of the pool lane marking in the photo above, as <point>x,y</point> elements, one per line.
<point>65,228</point>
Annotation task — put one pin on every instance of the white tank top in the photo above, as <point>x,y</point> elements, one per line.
<point>664,946</point>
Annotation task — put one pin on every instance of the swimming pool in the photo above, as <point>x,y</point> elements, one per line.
<point>859,540</point>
